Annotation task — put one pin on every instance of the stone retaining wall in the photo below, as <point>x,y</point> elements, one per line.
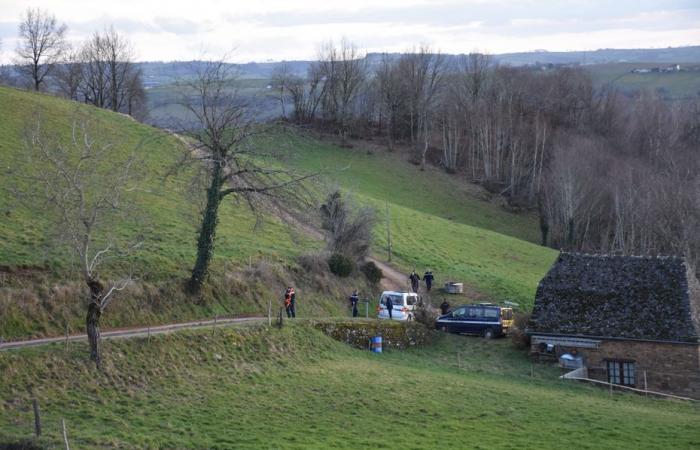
<point>357,333</point>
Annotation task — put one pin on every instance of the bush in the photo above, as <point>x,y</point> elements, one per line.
<point>372,272</point>
<point>426,315</point>
<point>340,265</point>
<point>517,333</point>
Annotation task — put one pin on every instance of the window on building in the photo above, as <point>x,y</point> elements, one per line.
<point>621,372</point>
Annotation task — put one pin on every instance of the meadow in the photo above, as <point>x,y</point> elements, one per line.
<point>296,388</point>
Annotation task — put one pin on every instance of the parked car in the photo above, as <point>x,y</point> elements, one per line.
<point>404,305</point>
<point>485,319</point>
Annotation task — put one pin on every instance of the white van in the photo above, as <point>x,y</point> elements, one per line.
<point>404,304</point>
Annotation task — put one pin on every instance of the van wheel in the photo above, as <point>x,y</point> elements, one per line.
<point>488,334</point>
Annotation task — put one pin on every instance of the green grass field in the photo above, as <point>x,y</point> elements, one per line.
<point>674,85</point>
<point>296,388</point>
<point>437,221</point>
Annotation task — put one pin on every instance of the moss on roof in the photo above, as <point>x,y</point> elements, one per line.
<point>651,298</point>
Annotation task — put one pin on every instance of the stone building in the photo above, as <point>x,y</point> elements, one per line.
<point>634,320</point>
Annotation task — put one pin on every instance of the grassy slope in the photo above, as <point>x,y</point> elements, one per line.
<point>437,221</point>
<point>170,217</point>
<point>296,388</point>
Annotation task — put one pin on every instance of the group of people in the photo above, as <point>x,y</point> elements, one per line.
<point>428,278</point>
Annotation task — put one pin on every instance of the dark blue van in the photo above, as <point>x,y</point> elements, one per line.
<point>485,320</point>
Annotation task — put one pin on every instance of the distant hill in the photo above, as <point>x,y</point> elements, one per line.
<point>159,73</point>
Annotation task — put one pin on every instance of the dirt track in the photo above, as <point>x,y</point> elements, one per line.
<point>133,332</point>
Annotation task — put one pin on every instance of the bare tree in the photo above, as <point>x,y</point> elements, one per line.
<point>222,149</point>
<point>83,186</point>
<point>423,72</point>
<point>344,69</point>
<point>348,231</point>
<point>281,79</point>
<point>391,94</point>
<point>110,79</point>
<point>42,41</point>
<point>69,74</point>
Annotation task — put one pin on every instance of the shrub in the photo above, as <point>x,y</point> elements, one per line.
<point>517,333</point>
<point>372,272</point>
<point>426,315</point>
<point>340,265</point>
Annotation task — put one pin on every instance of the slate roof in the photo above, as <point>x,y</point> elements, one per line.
<point>632,297</point>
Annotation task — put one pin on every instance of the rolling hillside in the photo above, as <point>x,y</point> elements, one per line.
<point>437,222</point>
<point>297,388</point>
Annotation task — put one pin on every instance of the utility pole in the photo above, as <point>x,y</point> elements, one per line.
<point>388,231</point>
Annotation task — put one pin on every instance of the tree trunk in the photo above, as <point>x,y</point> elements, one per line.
<point>205,242</point>
<point>92,321</point>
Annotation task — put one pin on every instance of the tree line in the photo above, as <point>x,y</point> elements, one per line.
<point>99,71</point>
<point>606,171</point>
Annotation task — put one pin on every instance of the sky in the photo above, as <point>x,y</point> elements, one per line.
<point>263,30</point>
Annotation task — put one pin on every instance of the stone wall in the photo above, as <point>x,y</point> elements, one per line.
<point>394,334</point>
<point>670,368</point>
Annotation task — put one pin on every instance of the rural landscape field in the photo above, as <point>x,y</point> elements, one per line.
<point>202,252</point>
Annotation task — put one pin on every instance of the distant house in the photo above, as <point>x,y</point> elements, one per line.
<point>634,320</point>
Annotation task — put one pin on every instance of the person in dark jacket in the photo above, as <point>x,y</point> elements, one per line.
<point>444,307</point>
<point>290,302</point>
<point>354,300</point>
<point>415,280</point>
<point>428,278</point>
<point>389,306</point>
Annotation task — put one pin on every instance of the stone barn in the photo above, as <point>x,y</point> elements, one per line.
<point>633,320</point>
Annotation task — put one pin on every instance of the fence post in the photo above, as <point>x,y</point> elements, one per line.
<point>37,417</point>
<point>65,346</point>
<point>367,309</point>
<point>269,313</point>
<point>645,383</point>
<point>610,382</point>
<point>65,435</point>
<point>213,329</point>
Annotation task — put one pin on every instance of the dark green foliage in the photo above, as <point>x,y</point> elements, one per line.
<point>340,265</point>
<point>520,339</point>
<point>372,272</point>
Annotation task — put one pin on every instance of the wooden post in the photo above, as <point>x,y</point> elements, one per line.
<point>37,417</point>
<point>388,231</point>
<point>65,345</point>
<point>149,333</point>
<point>213,329</point>
<point>645,383</point>
<point>65,435</point>
<point>269,313</point>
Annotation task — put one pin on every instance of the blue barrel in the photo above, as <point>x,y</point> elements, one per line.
<point>375,344</point>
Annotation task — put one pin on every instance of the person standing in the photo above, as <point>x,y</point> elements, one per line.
<point>428,278</point>
<point>389,306</point>
<point>415,280</point>
<point>444,307</point>
<point>290,302</point>
<point>354,300</point>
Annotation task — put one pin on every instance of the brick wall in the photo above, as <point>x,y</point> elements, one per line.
<point>670,368</point>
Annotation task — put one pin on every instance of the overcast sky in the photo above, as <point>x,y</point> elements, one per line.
<point>261,30</point>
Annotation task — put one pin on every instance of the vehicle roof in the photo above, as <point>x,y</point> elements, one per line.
<point>398,293</point>
<point>483,305</point>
